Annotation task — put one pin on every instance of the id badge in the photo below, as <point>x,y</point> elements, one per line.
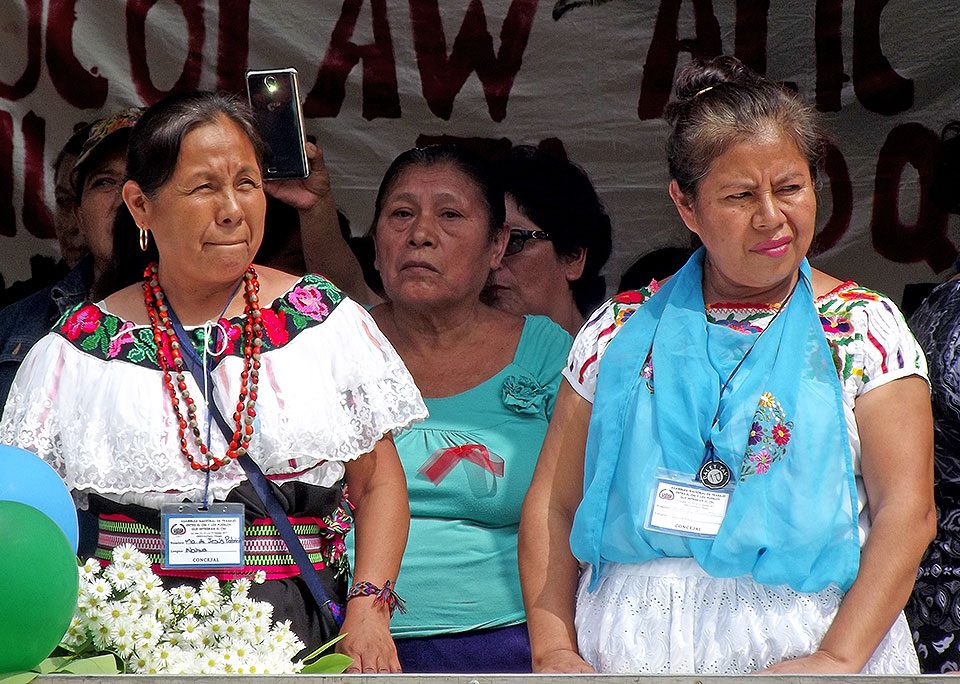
<point>198,537</point>
<point>683,506</point>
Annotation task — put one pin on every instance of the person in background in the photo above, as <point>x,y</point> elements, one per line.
<point>489,379</point>
<point>73,247</point>
<point>741,456</point>
<point>659,264</point>
<point>560,239</point>
<point>934,607</point>
<point>86,209</point>
<point>44,271</point>
<point>110,399</point>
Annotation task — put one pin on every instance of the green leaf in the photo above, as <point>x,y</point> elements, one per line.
<point>53,664</point>
<point>324,647</point>
<point>102,664</point>
<point>19,678</point>
<point>335,663</point>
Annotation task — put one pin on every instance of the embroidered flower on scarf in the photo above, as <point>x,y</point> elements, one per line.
<point>647,372</point>
<point>768,439</point>
<point>781,435</point>
<point>523,395</point>
<point>84,320</point>
<point>761,461</point>
<point>309,301</point>
<point>275,325</point>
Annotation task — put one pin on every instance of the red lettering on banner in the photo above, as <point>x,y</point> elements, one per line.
<point>8,217</point>
<point>443,76</point>
<point>841,198</point>
<point>828,41</point>
<point>381,98</point>
<point>189,79</point>
<point>926,239</point>
<point>36,216</point>
<point>31,73</point>
<point>233,44</point>
<point>665,47</point>
<point>75,84</point>
<point>878,87</point>
<point>751,40</point>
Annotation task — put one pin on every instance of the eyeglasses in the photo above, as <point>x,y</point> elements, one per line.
<point>518,239</point>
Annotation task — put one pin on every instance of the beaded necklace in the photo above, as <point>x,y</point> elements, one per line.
<point>163,331</point>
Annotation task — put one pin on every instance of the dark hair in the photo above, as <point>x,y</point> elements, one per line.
<point>656,265</point>
<point>719,102</point>
<point>474,167</point>
<point>946,176</point>
<point>127,261</point>
<point>559,198</point>
<point>156,138</point>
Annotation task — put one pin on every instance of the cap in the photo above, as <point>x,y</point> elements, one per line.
<point>104,128</point>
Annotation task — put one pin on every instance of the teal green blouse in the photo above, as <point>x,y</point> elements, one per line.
<point>459,570</point>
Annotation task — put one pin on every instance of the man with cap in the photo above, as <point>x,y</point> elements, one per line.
<point>97,177</point>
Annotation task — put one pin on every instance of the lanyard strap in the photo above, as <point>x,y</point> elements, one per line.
<point>710,451</point>
<point>259,482</point>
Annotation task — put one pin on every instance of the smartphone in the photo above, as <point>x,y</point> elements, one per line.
<point>274,96</point>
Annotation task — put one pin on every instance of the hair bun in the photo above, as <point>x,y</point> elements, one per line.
<point>700,75</point>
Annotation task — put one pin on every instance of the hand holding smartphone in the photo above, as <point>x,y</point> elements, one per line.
<point>274,96</point>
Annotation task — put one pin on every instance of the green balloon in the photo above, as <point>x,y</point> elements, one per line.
<point>38,586</point>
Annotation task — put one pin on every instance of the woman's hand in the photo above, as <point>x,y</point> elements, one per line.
<point>368,640</point>
<point>818,662</point>
<point>304,193</point>
<point>562,661</point>
<point>378,489</point>
<point>548,571</point>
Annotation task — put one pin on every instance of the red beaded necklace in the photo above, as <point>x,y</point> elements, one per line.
<point>157,308</point>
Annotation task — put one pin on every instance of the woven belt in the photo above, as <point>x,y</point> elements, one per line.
<point>263,548</point>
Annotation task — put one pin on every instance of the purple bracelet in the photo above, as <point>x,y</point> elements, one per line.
<point>385,595</point>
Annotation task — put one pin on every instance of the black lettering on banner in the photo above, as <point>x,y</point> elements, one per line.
<point>926,238</point>
<point>665,47</point>
<point>381,98</point>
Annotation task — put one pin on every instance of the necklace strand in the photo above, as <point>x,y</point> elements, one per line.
<point>176,382</point>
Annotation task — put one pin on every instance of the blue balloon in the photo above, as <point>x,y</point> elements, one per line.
<point>26,478</point>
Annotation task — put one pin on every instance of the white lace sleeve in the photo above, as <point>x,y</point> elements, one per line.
<point>107,426</point>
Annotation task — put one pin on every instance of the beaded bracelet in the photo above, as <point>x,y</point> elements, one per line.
<point>385,595</point>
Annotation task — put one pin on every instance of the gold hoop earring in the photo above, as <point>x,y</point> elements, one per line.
<point>144,238</point>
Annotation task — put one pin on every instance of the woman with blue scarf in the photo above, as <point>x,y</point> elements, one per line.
<point>738,474</point>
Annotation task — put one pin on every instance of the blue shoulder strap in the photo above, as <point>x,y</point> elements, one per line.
<point>260,484</point>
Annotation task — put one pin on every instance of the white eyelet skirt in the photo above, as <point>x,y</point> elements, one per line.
<point>668,616</point>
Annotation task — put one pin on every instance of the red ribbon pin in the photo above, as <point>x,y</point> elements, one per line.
<point>442,461</point>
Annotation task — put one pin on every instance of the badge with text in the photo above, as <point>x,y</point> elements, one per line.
<point>202,537</point>
<point>684,506</point>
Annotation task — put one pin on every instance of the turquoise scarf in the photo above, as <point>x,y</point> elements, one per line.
<point>792,516</point>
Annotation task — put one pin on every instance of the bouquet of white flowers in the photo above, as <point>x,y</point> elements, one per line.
<point>124,609</point>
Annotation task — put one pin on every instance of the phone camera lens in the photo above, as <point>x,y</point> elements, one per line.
<point>271,83</point>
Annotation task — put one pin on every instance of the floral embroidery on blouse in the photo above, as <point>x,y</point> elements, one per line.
<point>311,300</point>
<point>768,439</point>
<point>523,395</point>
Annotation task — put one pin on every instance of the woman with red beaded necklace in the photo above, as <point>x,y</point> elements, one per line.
<point>307,387</point>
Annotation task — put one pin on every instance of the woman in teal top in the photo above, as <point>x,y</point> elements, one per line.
<point>489,379</point>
